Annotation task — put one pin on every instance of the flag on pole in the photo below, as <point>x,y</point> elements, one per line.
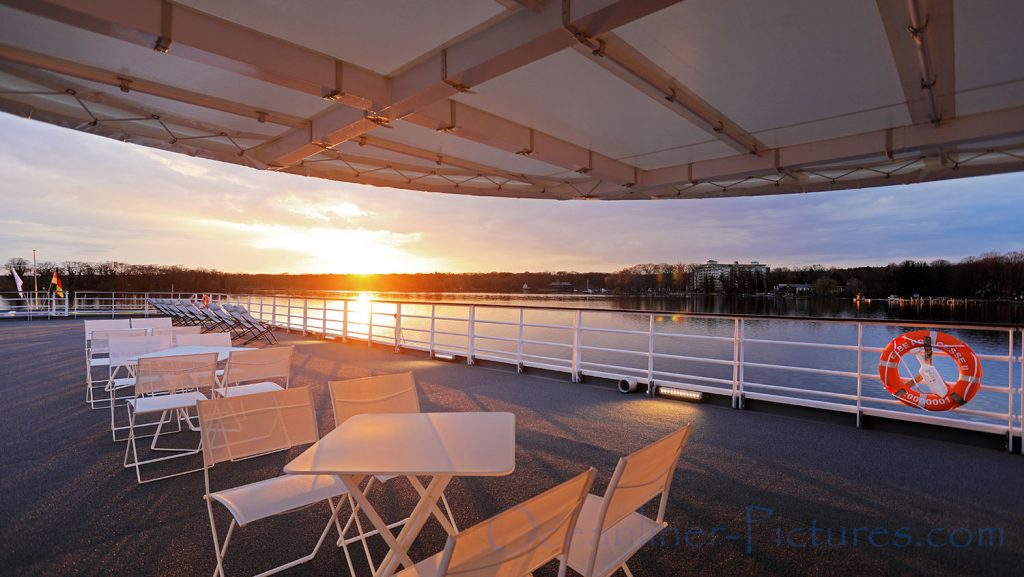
<point>55,282</point>
<point>18,284</point>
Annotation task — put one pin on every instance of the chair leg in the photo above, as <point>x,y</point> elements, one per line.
<point>217,549</point>
<point>137,464</point>
<point>361,535</point>
<point>625,569</point>
<point>448,510</point>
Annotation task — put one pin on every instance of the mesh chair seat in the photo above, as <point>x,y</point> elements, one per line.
<point>249,389</point>
<point>121,382</point>
<point>271,497</point>
<point>617,545</point>
<point>161,403</point>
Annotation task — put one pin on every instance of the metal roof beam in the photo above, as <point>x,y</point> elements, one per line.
<point>920,35</point>
<point>627,63</point>
<point>482,127</point>
<point>442,159</point>
<point>111,78</point>
<point>985,126</point>
<point>192,35</point>
<point>513,42</point>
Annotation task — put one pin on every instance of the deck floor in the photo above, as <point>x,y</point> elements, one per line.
<point>67,507</point>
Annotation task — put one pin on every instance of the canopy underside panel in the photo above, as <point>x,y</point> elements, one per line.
<point>556,99</point>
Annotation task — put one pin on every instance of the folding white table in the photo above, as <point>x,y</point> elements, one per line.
<point>438,445</point>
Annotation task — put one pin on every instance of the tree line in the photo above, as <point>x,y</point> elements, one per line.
<point>990,275</point>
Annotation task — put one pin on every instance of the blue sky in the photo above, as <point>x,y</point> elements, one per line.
<point>75,196</point>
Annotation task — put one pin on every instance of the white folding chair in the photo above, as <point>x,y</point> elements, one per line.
<point>124,352</point>
<point>249,372</point>
<point>516,542</point>
<point>610,529</point>
<point>203,340</point>
<point>97,356</point>
<point>392,393</point>
<point>168,387</point>
<point>97,360</point>
<point>151,323</point>
<point>235,428</point>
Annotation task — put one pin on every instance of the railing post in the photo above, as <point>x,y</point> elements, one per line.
<point>145,305</point>
<point>433,315</point>
<point>735,362</point>
<point>398,328</point>
<point>519,342</point>
<point>1009,394</point>
<point>344,322</point>
<point>743,358</point>
<point>323,320</point>
<point>650,351</point>
<point>305,315</point>
<point>273,311</point>
<point>288,315</point>
<point>369,327</point>
<point>860,369</point>
<point>577,352</point>
<point>471,344</point>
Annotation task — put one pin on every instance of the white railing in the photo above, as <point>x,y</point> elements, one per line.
<point>582,342</point>
<point>33,305</point>
<point>713,354</point>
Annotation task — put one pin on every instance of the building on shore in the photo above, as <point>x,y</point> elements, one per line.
<point>793,289</point>
<point>716,277</point>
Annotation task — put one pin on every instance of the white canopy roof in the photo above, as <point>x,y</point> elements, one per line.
<point>606,99</point>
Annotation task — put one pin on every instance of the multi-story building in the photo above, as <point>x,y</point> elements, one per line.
<point>713,276</point>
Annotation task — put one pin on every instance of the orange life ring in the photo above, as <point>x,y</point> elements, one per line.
<point>956,395</point>
<point>206,301</point>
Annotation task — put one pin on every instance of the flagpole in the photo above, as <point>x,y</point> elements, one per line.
<point>35,279</point>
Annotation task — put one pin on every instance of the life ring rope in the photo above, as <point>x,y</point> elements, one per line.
<point>923,390</point>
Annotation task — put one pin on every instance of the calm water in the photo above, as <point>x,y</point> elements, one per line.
<point>709,361</point>
<point>998,313</point>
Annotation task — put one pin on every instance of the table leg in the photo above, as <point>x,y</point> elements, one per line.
<point>434,509</point>
<point>413,526</point>
<point>352,483</point>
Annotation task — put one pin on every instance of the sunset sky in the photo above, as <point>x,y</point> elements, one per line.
<point>74,196</point>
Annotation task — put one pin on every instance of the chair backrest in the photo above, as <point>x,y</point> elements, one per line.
<point>175,373</point>
<point>100,339</point>
<point>186,330</point>
<point>124,349</point>
<point>642,476</point>
<point>239,427</point>
<point>395,393</point>
<point>151,323</point>
<point>259,364</point>
<point>516,542</point>
<point>203,340</point>
<point>105,325</point>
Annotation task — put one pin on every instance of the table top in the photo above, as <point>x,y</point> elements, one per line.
<point>458,444</point>
<point>222,352</point>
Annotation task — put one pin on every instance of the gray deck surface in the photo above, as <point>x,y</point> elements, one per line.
<point>67,507</point>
